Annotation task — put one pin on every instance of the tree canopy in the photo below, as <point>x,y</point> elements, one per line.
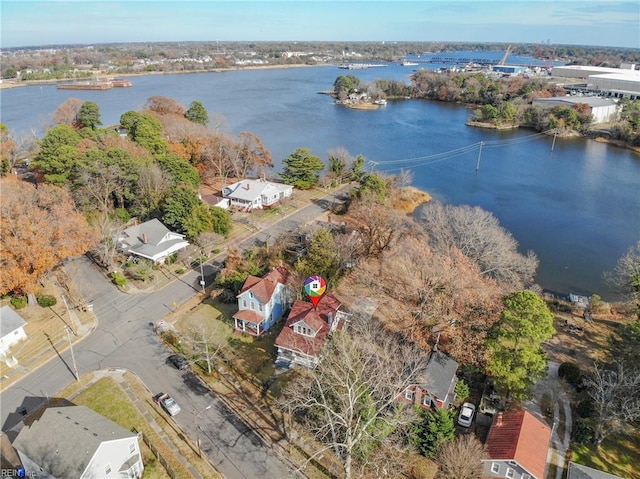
<point>516,360</point>
<point>88,116</point>
<point>40,228</point>
<point>301,169</point>
<point>197,113</point>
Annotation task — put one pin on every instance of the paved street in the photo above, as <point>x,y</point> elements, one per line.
<point>124,338</point>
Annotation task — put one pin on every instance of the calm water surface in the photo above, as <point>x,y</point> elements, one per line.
<point>577,208</point>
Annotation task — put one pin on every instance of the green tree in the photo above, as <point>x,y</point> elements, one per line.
<point>178,211</point>
<point>357,169</point>
<point>374,186</point>
<point>301,169</point>
<point>517,361</point>
<point>204,218</point>
<point>145,130</point>
<point>197,113</point>
<point>58,154</point>
<point>179,169</point>
<point>88,116</point>
<point>346,84</point>
<point>432,429</point>
<point>322,257</point>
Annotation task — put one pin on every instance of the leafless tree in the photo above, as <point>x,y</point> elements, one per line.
<point>206,344</point>
<point>67,112</point>
<point>460,458</point>
<point>349,399</point>
<point>108,227</point>
<point>616,397</point>
<point>479,236</point>
<point>626,275</point>
<point>153,183</point>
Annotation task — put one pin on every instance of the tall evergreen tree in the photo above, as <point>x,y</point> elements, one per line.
<point>88,116</point>
<point>197,113</point>
<point>301,169</point>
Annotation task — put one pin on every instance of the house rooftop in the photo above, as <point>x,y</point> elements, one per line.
<point>64,440</point>
<point>578,471</point>
<point>150,238</point>
<point>317,319</point>
<point>440,372</point>
<point>263,288</point>
<point>519,436</point>
<point>10,321</point>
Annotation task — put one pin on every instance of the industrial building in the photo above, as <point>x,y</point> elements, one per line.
<point>509,69</point>
<point>603,110</point>
<point>613,82</point>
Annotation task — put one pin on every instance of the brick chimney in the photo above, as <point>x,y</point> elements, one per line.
<point>145,240</point>
<point>499,419</point>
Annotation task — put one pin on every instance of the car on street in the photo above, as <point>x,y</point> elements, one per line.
<point>180,362</point>
<point>465,418</point>
<point>168,403</point>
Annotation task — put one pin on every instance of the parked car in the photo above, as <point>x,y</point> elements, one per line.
<point>180,362</point>
<point>465,418</point>
<point>168,403</point>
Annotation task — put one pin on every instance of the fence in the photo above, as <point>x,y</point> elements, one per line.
<point>156,453</point>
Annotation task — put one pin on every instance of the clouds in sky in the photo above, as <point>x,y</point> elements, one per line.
<point>586,22</point>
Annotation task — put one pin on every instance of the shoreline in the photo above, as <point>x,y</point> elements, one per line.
<point>4,85</point>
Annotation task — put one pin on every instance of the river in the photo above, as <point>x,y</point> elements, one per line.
<point>577,207</point>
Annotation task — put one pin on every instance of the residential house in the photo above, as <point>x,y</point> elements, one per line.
<point>306,330</point>
<point>11,328</point>
<point>261,302</point>
<point>77,442</point>
<point>578,471</point>
<point>256,194</point>
<point>436,390</point>
<point>151,240</point>
<point>517,446</point>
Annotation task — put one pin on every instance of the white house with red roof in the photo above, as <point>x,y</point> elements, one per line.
<point>517,446</point>
<point>261,302</point>
<point>306,330</point>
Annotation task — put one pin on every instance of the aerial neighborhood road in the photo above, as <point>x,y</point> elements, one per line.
<point>124,338</point>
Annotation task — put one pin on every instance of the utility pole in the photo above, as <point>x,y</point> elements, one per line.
<point>195,426</point>
<point>479,155</point>
<point>73,357</point>
<point>201,271</point>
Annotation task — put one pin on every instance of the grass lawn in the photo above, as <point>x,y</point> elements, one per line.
<point>619,455</point>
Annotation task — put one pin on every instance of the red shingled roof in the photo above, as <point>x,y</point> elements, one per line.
<point>317,319</point>
<point>518,435</point>
<point>263,288</point>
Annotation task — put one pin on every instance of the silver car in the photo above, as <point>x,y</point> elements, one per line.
<point>465,418</point>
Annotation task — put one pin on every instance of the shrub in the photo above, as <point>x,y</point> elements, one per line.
<point>118,278</point>
<point>585,408</point>
<point>461,390</point>
<point>19,302</point>
<point>582,433</point>
<point>46,300</point>
<point>570,372</point>
<point>180,271</point>
<point>141,273</point>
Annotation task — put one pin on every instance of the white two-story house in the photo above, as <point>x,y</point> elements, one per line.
<point>76,442</point>
<point>261,302</point>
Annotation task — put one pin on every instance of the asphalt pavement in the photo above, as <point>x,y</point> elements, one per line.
<point>125,338</point>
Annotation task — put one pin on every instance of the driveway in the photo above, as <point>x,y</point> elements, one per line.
<point>551,394</point>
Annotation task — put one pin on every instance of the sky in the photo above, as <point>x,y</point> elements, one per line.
<point>568,22</point>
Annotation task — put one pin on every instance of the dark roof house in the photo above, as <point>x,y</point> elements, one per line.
<point>151,240</point>
<point>578,471</point>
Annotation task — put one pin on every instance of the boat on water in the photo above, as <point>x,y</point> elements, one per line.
<point>381,101</point>
<point>409,64</point>
<point>360,66</point>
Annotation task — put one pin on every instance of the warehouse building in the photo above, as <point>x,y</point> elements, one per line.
<point>603,110</point>
<point>614,82</point>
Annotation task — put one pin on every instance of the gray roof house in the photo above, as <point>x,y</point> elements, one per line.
<point>578,471</point>
<point>436,390</point>
<point>256,194</point>
<point>11,328</point>
<point>151,240</point>
<point>76,442</point>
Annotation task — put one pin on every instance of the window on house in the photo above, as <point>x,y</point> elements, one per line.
<point>260,307</point>
<point>526,476</point>
<point>253,305</point>
<point>509,472</point>
<point>409,394</point>
<point>244,303</point>
<point>426,400</point>
<point>495,467</point>
<point>132,448</point>
<point>107,469</point>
